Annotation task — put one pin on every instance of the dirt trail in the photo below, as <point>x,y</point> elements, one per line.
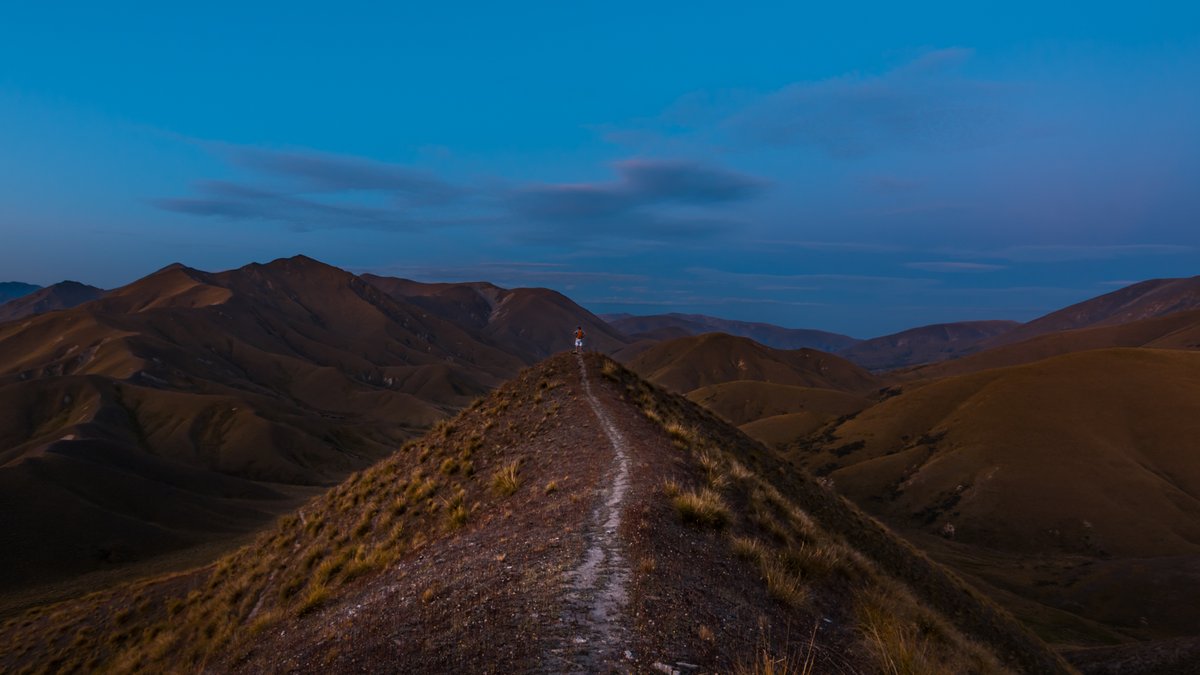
<point>597,590</point>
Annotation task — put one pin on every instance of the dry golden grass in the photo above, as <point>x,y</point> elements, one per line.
<point>317,595</point>
<point>611,370</point>
<point>705,508</point>
<point>748,548</point>
<point>905,638</point>
<point>506,481</point>
<point>782,583</point>
<point>680,434</point>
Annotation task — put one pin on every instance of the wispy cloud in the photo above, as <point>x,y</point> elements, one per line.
<point>311,171</point>
<point>696,301</point>
<point>235,201</point>
<point>763,278</point>
<point>847,246</point>
<point>1062,253</point>
<point>505,273</point>
<point>943,266</point>
<point>922,103</point>
<point>650,198</point>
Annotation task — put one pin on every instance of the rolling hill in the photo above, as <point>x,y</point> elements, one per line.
<point>1144,300</point>
<point>577,519</point>
<point>926,344</point>
<point>662,326</point>
<point>63,295</point>
<point>776,414</point>
<point>1069,485</point>
<point>1178,330</point>
<point>686,364</point>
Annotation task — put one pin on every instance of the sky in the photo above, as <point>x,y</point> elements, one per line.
<point>854,167</point>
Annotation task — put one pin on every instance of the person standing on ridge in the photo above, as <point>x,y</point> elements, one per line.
<point>578,339</point>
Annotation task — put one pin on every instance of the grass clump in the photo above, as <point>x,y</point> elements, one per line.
<point>611,370</point>
<point>748,548</point>
<point>506,481</point>
<point>457,514</point>
<point>704,507</point>
<point>681,435</point>
<point>782,583</point>
<point>317,595</point>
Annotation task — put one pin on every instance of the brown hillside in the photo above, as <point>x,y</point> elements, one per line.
<point>578,519</point>
<point>926,344</point>
<point>1179,330</point>
<point>63,295</point>
<point>689,363</point>
<point>214,392</point>
<point>743,401</point>
<point>660,326</point>
<point>531,323</point>
<point>1071,481</point>
<point>1145,300</point>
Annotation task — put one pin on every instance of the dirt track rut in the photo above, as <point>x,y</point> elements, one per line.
<point>597,589</point>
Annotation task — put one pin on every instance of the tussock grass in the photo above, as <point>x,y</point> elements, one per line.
<point>748,548</point>
<point>671,488</point>
<point>704,507</point>
<point>457,516</point>
<point>905,638</point>
<point>457,512</point>
<point>682,436</point>
<point>506,481</point>
<point>783,584</point>
<point>817,560</point>
<point>611,370</point>
<point>714,471</point>
<point>317,595</point>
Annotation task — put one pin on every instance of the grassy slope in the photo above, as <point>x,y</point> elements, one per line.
<point>808,551</point>
<point>1080,461</point>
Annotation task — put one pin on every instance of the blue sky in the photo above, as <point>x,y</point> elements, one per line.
<point>861,169</point>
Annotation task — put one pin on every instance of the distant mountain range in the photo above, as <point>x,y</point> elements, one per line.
<point>63,295</point>
<point>934,343</point>
<point>1145,300</point>
<point>15,289</point>
<point>926,344</point>
<point>668,325</point>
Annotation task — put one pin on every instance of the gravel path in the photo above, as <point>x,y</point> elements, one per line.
<point>596,592</point>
